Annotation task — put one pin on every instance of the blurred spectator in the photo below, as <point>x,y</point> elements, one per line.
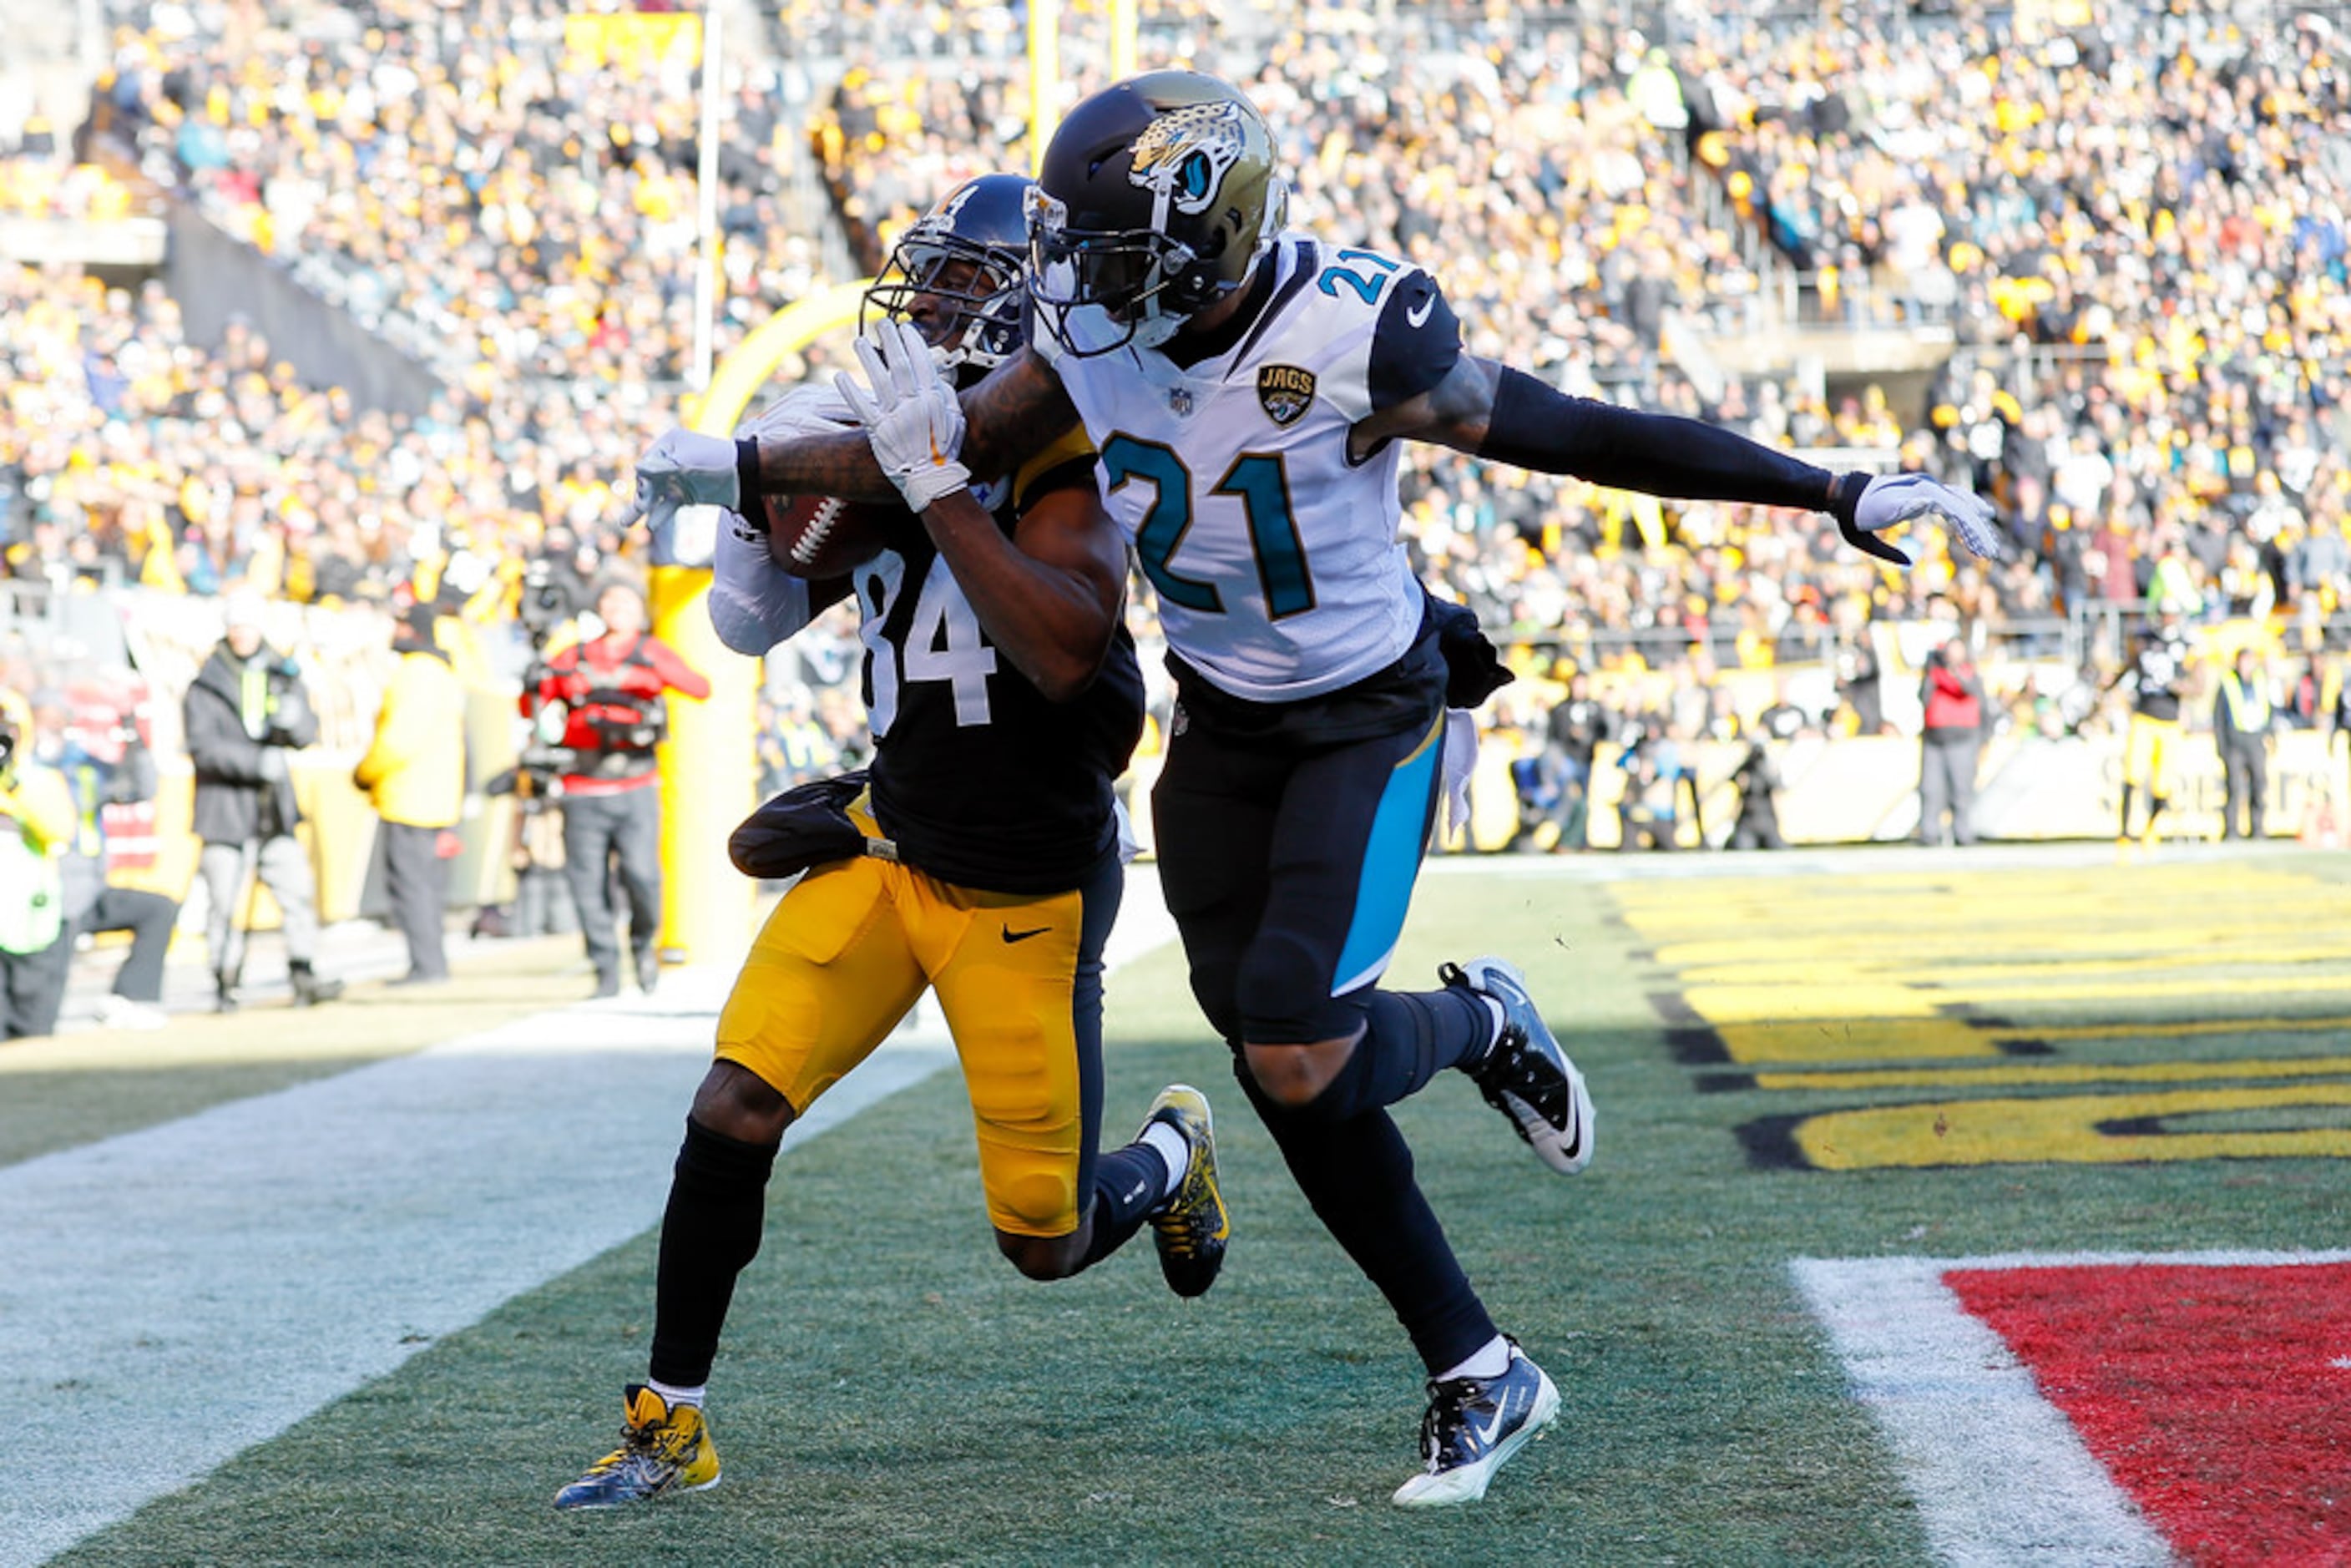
<point>1951,743</point>
<point>1575,730</point>
<point>2242,721</point>
<point>1757,779</point>
<point>246,715</point>
<point>611,691</point>
<point>415,775</point>
<point>1655,782</point>
<point>1857,685</point>
<point>37,824</point>
<point>93,903</point>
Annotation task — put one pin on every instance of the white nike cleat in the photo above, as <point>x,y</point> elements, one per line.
<point>1527,1076</point>
<point>1473,1427</point>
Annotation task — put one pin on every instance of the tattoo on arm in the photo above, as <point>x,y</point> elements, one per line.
<point>840,465</point>
<point>1453,412</point>
<point>1013,414</point>
<point>1009,419</point>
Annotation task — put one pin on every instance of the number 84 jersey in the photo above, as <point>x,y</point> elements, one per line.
<point>1276,561</point>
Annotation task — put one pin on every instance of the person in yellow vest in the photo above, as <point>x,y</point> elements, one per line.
<point>2242,721</point>
<point>36,825</point>
<point>415,775</point>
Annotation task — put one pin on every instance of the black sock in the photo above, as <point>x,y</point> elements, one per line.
<point>2124,831</point>
<point>717,1208</point>
<point>1127,1185</point>
<point>1357,1174</point>
<point>1409,1036</point>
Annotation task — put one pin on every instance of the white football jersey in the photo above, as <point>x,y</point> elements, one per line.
<point>1276,562</point>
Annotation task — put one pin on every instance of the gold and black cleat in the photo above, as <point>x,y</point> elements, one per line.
<point>1193,1228</point>
<point>663,1449</point>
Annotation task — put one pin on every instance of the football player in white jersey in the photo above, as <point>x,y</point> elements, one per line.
<point>1245,386</point>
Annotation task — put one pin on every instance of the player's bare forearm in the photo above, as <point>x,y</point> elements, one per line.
<point>1049,602</point>
<point>841,463</point>
<point>1008,418</point>
<point>1013,414</point>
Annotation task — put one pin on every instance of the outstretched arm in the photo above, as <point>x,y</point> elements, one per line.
<point>1494,411</point>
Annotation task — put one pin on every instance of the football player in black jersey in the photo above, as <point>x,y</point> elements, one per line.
<point>981,861</point>
<point>1247,386</point>
<point>2158,674</point>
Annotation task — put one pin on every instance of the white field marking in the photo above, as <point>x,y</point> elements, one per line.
<point>2000,1475</point>
<point>176,1294</point>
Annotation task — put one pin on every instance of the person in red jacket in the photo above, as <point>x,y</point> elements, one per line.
<point>1952,736</point>
<point>610,693</point>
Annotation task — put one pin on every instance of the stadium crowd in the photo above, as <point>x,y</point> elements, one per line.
<point>2135,234</point>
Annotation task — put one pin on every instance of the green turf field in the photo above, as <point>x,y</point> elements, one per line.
<point>1950,1058</point>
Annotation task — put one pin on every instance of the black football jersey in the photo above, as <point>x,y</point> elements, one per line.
<point>977,777</point>
<point>2155,674</point>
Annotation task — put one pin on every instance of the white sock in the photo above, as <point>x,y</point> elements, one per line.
<point>1490,1359</point>
<point>1161,1139</point>
<point>674,1397</point>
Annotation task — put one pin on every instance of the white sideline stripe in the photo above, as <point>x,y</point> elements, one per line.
<point>171,1296</point>
<point>2000,1474</point>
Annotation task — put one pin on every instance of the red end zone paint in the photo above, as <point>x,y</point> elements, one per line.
<point>2218,1397</point>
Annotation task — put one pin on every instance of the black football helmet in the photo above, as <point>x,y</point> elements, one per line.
<point>955,273</point>
<point>1156,197</point>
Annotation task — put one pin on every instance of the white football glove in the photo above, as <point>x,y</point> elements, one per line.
<point>1888,499</point>
<point>911,415</point>
<point>813,408</point>
<point>684,469</point>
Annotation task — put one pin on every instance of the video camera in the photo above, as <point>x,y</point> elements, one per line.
<point>288,705</point>
<point>543,604</point>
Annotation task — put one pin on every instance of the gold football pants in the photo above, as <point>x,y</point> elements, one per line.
<point>846,953</point>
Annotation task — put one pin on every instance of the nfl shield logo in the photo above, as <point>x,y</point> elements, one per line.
<point>1286,391</point>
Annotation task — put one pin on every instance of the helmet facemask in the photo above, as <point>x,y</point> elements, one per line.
<point>1101,290</point>
<point>964,297</point>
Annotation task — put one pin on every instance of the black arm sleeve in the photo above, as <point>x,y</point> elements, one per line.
<point>1535,426</point>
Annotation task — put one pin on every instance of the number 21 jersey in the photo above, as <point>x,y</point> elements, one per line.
<point>1276,560</point>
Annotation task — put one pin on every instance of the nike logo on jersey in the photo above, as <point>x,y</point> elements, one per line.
<point>1418,314</point>
<point>1012,935</point>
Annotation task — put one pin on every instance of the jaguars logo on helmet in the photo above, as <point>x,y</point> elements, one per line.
<point>1181,158</point>
<point>955,273</point>
<point>1157,198</point>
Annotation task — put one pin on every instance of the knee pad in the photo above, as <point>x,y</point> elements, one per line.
<point>1283,994</point>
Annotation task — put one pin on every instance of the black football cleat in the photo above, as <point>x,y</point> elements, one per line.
<point>1526,1075</point>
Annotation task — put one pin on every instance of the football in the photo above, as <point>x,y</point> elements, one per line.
<point>820,535</point>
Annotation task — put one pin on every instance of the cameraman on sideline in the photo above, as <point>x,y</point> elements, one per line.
<point>92,903</point>
<point>610,690</point>
<point>246,710</point>
<point>37,823</point>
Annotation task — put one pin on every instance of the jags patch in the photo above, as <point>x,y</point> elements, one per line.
<point>1286,391</point>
